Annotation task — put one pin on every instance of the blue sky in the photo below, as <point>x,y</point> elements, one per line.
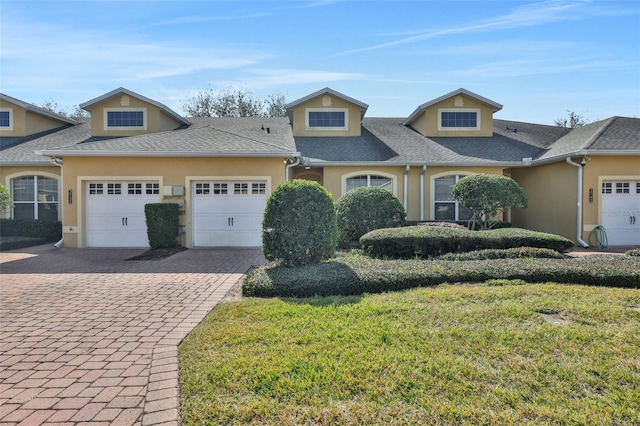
<point>537,58</point>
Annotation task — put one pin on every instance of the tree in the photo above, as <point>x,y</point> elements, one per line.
<point>234,103</point>
<point>299,225</point>
<point>486,195</point>
<point>54,107</point>
<point>6,203</point>
<point>572,121</point>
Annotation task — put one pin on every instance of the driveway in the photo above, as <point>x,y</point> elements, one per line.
<point>87,337</point>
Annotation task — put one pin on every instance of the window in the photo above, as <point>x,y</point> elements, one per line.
<point>152,188</point>
<point>369,180</point>
<point>240,188</point>
<point>125,119</point>
<point>607,188</point>
<point>258,188</point>
<point>6,119</point>
<point>459,120</point>
<point>202,188</point>
<point>446,207</point>
<point>327,119</point>
<point>220,189</point>
<point>622,187</point>
<point>35,197</point>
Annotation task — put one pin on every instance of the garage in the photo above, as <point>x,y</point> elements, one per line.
<point>115,213</point>
<point>621,212</point>
<point>228,214</point>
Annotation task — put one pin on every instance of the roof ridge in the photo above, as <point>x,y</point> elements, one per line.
<point>592,140</point>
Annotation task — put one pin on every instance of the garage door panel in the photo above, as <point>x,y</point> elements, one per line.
<point>621,212</point>
<point>228,214</point>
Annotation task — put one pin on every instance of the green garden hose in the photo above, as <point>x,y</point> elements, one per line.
<point>600,236</point>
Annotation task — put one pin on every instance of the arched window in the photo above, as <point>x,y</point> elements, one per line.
<point>35,197</point>
<point>370,180</point>
<point>446,207</point>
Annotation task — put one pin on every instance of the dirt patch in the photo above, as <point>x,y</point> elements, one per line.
<point>157,254</point>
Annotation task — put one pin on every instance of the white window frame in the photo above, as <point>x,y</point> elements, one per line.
<point>144,119</point>
<point>394,179</point>
<point>10,111</point>
<point>453,129</point>
<point>459,174</point>
<point>346,119</point>
<point>35,201</point>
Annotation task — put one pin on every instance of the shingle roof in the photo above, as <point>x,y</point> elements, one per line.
<point>362,105</point>
<point>205,137</point>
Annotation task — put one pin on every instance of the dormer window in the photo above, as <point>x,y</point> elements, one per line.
<point>125,119</point>
<point>327,119</point>
<point>455,119</point>
<point>6,119</point>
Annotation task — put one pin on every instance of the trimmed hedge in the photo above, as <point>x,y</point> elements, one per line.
<point>511,253</point>
<point>45,230</point>
<point>162,224</point>
<point>299,225</point>
<point>633,252</point>
<point>431,241</point>
<point>463,224</point>
<point>354,275</point>
<point>367,208</point>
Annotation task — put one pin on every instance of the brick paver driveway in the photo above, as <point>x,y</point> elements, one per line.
<point>89,337</point>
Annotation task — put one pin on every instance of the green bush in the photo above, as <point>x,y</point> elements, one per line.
<point>367,208</point>
<point>511,253</point>
<point>633,252</point>
<point>162,224</point>
<point>432,241</point>
<point>462,224</point>
<point>354,275</point>
<point>299,225</point>
<point>46,230</point>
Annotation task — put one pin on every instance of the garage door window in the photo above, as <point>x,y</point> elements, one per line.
<point>35,197</point>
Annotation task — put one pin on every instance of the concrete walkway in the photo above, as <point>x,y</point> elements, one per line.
<point>87,337</point>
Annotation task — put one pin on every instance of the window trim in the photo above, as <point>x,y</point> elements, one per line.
<point>10,126</point>
<point>313,129</point>
<point>454,129</point>
<point>432,188</point>
<point>125,128</point>
<point>394,179</point>
<point>9,185</point>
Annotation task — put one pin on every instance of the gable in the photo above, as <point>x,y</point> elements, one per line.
<point>125,113</point>
<point>457,114</point>
<point>19,119</point>
<point>326,113</point>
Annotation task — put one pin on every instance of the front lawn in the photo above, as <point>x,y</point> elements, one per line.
<point>449,354</point>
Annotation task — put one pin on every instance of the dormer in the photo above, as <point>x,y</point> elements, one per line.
<point>18,118</point>
<point>460,113</point>
<point>122,112</point>
<point>326,113</point>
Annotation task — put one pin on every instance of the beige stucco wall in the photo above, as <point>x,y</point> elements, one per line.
<point>326,102</point>
<point>334,180</point>
<point>157,121</point>
<point>27,122</point>
<point>552,193</point>
<point>11,172</point>
<point>427,122</point>
<point>168,171</point>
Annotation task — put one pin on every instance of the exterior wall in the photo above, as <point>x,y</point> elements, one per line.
<point>7,173</point>
<point>334,177</point>
<point>323,102</point>
<point>427,122</point>
<point>28,123</point>
<point>157,121</point>
<point>552,193</point>
<point>168,171</point>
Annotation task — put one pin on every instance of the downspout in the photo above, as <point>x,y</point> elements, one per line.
<point>406,187</point>
<point>58,162</point>
<point>424,170</point>
<point>579,212</point>
<point>286,170</point>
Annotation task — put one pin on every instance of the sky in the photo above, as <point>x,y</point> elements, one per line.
<point>539,59</point>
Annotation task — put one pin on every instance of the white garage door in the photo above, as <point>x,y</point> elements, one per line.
<point>228,214</point>
<point>621,212</point>
<point>115,213</point>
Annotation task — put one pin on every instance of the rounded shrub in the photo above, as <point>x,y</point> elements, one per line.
<point>367,208</point>
<point>299,225</point>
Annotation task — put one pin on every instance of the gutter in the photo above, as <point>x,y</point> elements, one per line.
<point>151,154</point>
<point>424,170</point>
<point>579,211</point>
<point>58,162</point>
<point>406,187</point>
<point>289,166</point>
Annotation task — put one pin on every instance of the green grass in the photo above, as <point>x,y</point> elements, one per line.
<point>449,355</point>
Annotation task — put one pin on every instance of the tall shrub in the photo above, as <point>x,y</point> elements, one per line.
<point>162,224</point>
<point>6,203</point>
<point>299,225</point>
<point>367,208</point>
